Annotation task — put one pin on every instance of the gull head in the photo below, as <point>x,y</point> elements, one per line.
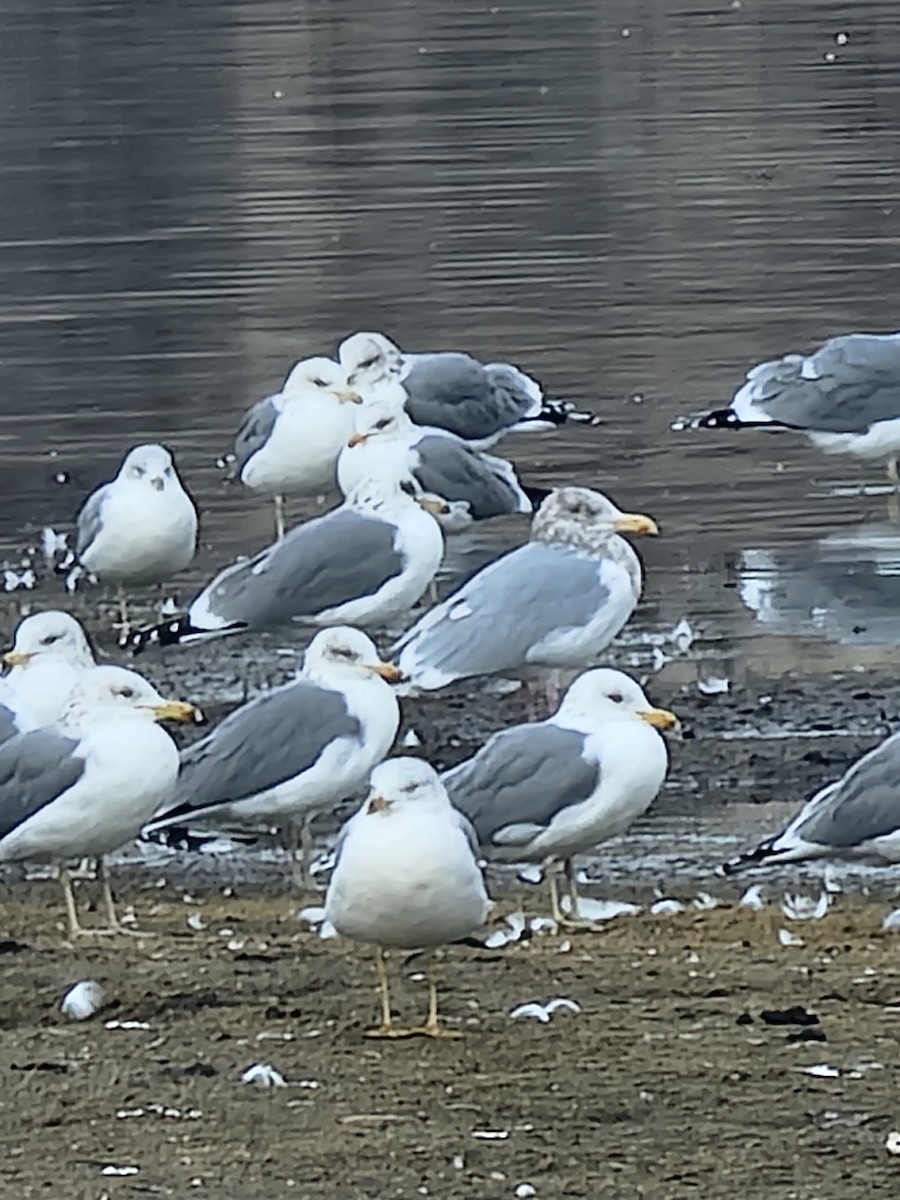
<point>50,633</point>
<point>390,487</point>
<point>369,358</point>
<point>149,466</point>
<point>401,781</point>
<point>342,652</point>
<point>115,692</point>
<point>380,419</point>
<point>607,694</point>
<point>319,377</point>
<point>585,519</point>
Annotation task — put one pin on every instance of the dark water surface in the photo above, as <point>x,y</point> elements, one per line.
<point>633,201</point>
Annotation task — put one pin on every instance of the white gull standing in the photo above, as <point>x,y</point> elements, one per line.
<point>86,786</point>
<point>845,397</point>
<point>406,878</point>
<point>478,402</point>
<point>361,564</point>
<point>141,528</point>
<point>294,751</point>
<point>288,443</point>
<point>547,791</point>
<point>856,817</point>
<point>49,656</point>
<point>477,485</point>
<point>555,602</point>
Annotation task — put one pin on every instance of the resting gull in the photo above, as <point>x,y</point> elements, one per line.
<point>361,564</point>
<point>140,528</point>
<point>555,602</point>
<point>479,486</point>
<point>406,878</point>
<point>288,443</point>
<point>856,817</point>
<point>86,786</point>
<point>296,750</point>
<point>478,402</point>
<point>547,791</point>
<point>50,654</point>
<point>845,397</point>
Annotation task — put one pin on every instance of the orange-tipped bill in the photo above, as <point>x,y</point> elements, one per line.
<point>635,523</point>
<point>659,718</point>
<point>177,710</point>
<point>388,671</point>
<point>357,439</point>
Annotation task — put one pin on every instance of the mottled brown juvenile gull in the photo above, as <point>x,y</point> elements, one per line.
<point>294,751</point>
<point>555,602</point>
<point>856,817</point>
<point>49,656</point>
<point>547,791</point>
<point>140,528</point>
<point>361,564</point>
<point>406,877</point>
<point>845,397</point>
<point>478,485</point>
<point>478,402</point>
<point>86,786</point>
<point>288,443</point>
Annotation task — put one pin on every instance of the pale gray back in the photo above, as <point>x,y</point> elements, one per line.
<point>865,804</point>
<point>455,471</point>
<point>35,768</point>
<point>254,431</point>
<point>456,392</point>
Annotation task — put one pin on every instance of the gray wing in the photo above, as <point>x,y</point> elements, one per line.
<point>845,387</point>
<point>90,520</point>
<point>518,782</point>
<point>495,620</point>
<point>267,742</point>
<point>8,726</point>
<point>864,804</point>
<point>254,432</point>
<point>323,563</point>
<point>449,468</point>
<point>35,768</point>
<point>457,393</point>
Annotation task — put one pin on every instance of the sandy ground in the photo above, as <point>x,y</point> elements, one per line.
<point>667,1084</point>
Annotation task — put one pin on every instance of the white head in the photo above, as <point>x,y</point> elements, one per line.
<point>318,377</point>
<point>341,652</point>
<point>390,488</point>
<point>381,418</point>
<point>104,693</point>
<point>605,694</point>
<point>149,466</point>
<point>369,358</point>
<point>585,519</point>
<point>402,781</point>
<point>53,633</point>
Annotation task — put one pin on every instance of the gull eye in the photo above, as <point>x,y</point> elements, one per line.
<point>409,487</point>
<point>343,652</point>
<point>369,362</point>
<point>320,383</point>
<point>616,697</point>
<point>383,423</point>
<point>127,693</point>
<point>137,472</point>
<point>50,639</point>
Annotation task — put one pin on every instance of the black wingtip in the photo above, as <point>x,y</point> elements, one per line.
<point>561,412</point>
<point>537,495</point>
<point>166,633</point>
<point>720,418</point>
<point>749,858</point>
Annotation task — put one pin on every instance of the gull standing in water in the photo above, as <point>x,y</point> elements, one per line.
<point>86,786</point>
<point>361,564</point>
<point>845,397</point>
<point>288,443</point>
<point>556,602</point>
<point>294,751</point>
<point>547,791</point>
<point>406,877</point>
<point>477,485</point>
<point>140,528</point>
<point>856,817</point>
<point>49,656</point>
<point>478,402</point>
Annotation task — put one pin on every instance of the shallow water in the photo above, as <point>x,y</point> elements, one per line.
<point>635,209</point>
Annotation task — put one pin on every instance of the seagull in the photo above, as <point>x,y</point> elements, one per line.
<point>288,443</point>
<point>406,877</point>
<point>86,786</point>
<point>477,485</point>
<point>845,397</point>
<point>856,817</point>
<point>479,402</point>
<point>296,750</point>
<point>361,564</point>
<point>49,656</point>
<point>555,602</point>
<point>140,528</point>
<point>547,791</point>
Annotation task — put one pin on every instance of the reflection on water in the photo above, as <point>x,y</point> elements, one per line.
<point>635,202</point>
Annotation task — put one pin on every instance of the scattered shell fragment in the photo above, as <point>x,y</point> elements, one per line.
<point>263,1075</point>
<point>892,1142</point>
<point>543,1012</point>
<point>786,938</point>
<point>797,907</point>
<point>83,1000</point>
